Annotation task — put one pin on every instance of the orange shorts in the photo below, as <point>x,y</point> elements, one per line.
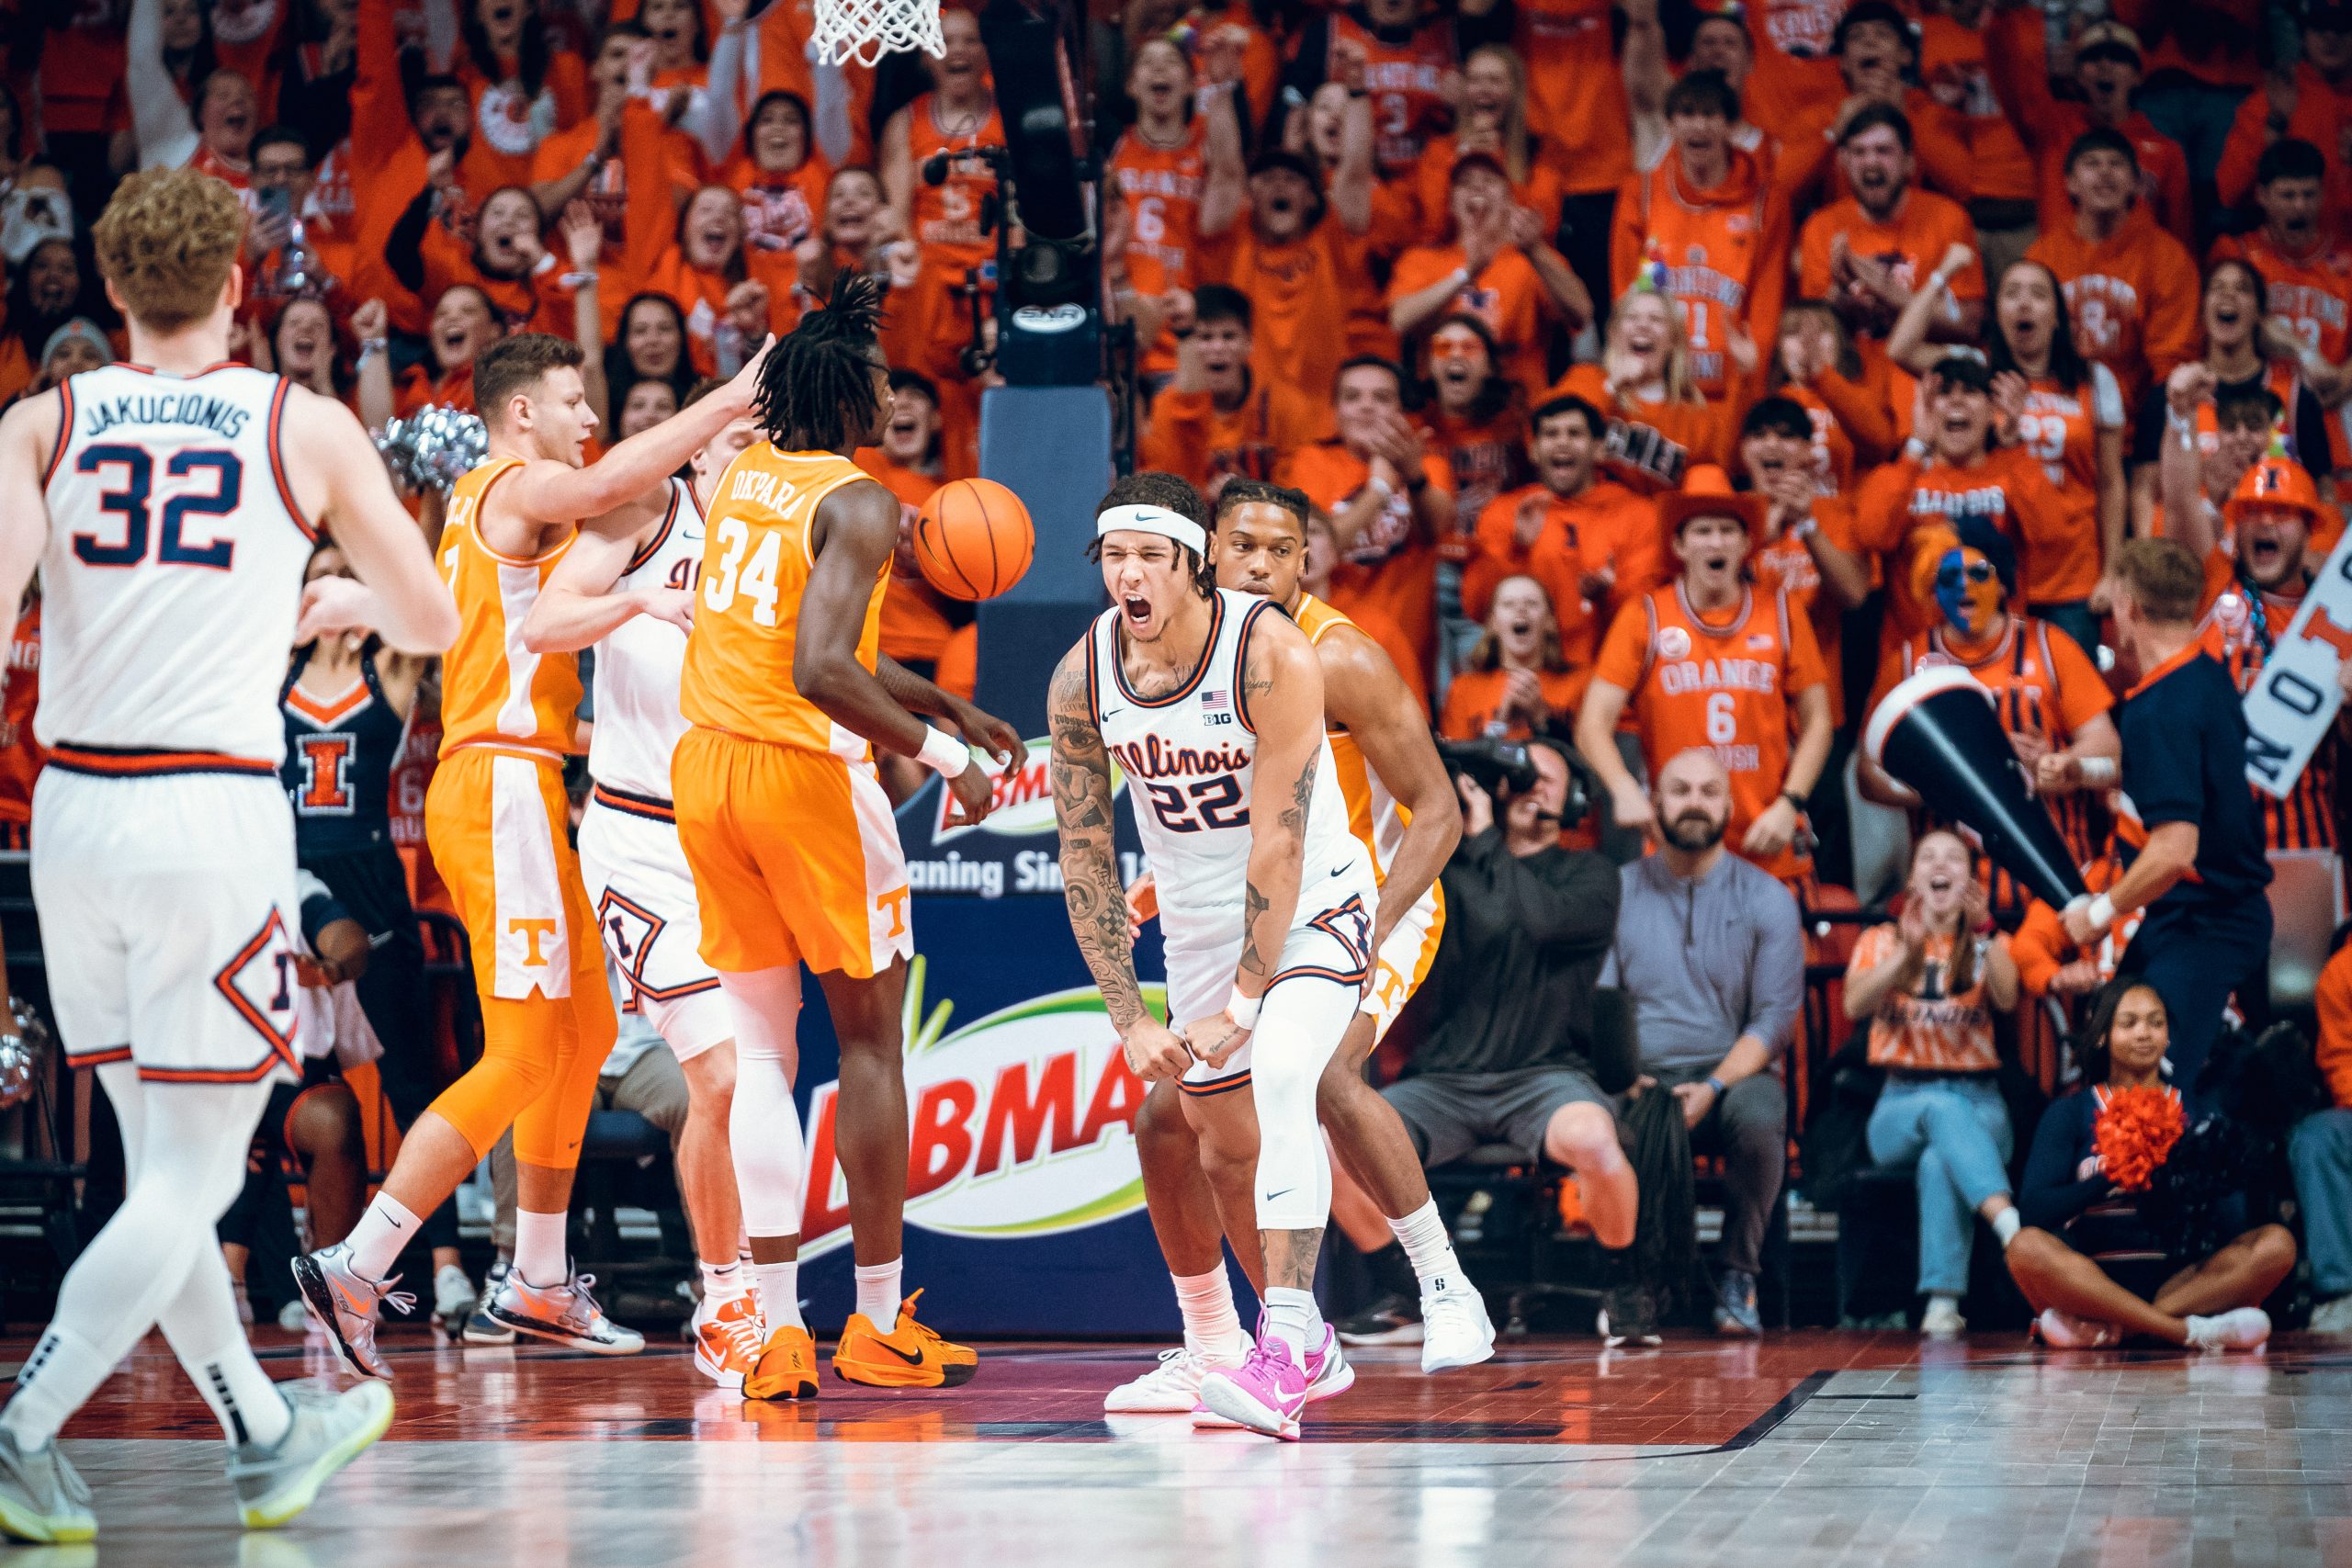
<point>498,826</point>
<point>794,855</point>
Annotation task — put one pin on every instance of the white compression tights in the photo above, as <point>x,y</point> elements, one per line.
<point>764,1126</point>
<point>157,1264</point>
<point>1301,1024</point>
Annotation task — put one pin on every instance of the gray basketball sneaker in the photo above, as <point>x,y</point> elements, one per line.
<point>345,1302</point>
<point>565,1314</point>
<point>329,1431</point>
<point>42,1499</point>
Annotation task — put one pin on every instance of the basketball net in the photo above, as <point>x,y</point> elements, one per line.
<point>865,31</point>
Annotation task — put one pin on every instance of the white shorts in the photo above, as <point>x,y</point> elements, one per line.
<point>1404,960</point>
<point>644,900</point>
<point>1329,942</point>
<point>170,921</point>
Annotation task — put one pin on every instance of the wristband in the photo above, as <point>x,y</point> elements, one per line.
<point>578,280</point>
<point>1241,1010</point>
<point>2097,771</point>
<point>1914,450</point>
<point>1806,526</point>
<point>1379,488</point>
<point>2100,912</point>
<point>1716,1085</point>
<point>943,754</point>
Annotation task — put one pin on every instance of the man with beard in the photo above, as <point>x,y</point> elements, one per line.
<point>1869,252</point>
<point>1711,950</point>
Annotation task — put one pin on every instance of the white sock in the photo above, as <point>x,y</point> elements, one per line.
<point>722,1282</point>
<point>60,1363</point>
<point>2005,1226</point>
<point>541,1256</point>
<point>779,1288</point>
<point>377,1240</point>
<point>1291,1316</point>
<point>1426,1247</point>
<point>1210,1324</point>
<point>878,1293</point>
<point>246,1403</point>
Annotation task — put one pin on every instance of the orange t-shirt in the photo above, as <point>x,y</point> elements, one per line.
<point>1390,572</point>
<point>1576,92</point>
<point>1606,529</point>
<point>946,217</point>
<point>1487,457</point>
<point>21,756</point>
<point>2132,297</point>
<point>1232,31</point>
<point>2043,685</point>
<point>1911,244</point>
<point>1302,292</point>
<point>1472,699</point>
<point>1159,195</point>
<point>1794,67</point>
<point>1927,1029</point>
<point>1728,684</point>
<point>2058,548</point>
<point>1189,435</point>
<point>1698,429</point>
<point>1407,83</point>
<point>1508,296</point>
<point>1541,192</point>
<point>1725,253</point>
<point>1952,68</point>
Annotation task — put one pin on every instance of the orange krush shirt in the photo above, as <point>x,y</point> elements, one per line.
<point>758,549</point>
<point>1727,684</point>
<point>1472,700</point>
<point>2133,296</point>
<point>1725,253</point>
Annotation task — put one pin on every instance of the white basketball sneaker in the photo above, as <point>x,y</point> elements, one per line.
<point>345,1301</point>
<point>2240,1328</point>
<point>1455,1329</point>
<point>1171,1388</point>
<point>565,1314</point>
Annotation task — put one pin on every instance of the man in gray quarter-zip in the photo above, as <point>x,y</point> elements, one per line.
<point>1711,951</point>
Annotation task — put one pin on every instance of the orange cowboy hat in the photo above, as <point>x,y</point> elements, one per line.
<point>1706,492</point>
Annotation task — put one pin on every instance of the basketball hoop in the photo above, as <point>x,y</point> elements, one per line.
<point>865,31</point>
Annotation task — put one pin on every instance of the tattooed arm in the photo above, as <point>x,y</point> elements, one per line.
<point>1081,771</point>
<point>1282,687</point>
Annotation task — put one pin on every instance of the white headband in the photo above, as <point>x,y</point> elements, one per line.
<point>1154,520</point>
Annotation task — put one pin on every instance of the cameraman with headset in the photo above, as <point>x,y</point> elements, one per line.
<point>1506,1055</point>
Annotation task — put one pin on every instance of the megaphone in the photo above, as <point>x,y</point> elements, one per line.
<point>1939,733</point>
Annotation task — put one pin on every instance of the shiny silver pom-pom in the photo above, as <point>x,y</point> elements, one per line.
<point>433,447</point>
<point>21,1049</point>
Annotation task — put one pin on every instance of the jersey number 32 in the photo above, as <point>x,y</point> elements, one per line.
<point>132,504</point>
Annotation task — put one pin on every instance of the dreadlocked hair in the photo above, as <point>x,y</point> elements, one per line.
<point>817,388</point>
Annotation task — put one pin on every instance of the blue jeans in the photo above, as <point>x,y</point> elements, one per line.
<point>1955,1130</point>
<point>2320,1152</point>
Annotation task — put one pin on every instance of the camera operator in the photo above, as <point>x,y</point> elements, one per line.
<point>1506,1057</point>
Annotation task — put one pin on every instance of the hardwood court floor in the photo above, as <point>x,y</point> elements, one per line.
<point>1809,1448</point>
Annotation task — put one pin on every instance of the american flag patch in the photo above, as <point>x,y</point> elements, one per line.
<point>1216,702</point>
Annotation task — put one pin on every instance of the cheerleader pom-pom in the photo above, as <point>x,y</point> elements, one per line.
<point>2134,1134</point>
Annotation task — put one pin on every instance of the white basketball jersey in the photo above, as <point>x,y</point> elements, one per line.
<point>1189,759</point>
<point>638,661</point>
<point>172,572</point>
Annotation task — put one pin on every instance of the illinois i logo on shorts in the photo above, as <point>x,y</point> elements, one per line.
<point>259,982</point>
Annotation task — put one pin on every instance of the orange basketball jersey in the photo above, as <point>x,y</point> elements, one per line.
<point>1159,188</point>
<point>1725,685</point>
<point>493,690</point>
<point>1375,817</point>
<point>946,216</point>
<point>758,549</point>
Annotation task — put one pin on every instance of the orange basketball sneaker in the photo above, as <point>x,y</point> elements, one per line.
<point>787,1367</point>
<point>726,1343</point>
<point>909,1356</point>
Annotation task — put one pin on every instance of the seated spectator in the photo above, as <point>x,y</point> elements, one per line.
<point>1390,499</point>
<point>2320,1150</point>
<point>1499,266</point>
<point>1929,983</point>
<point>1590,542</point>
<point>1867,254</point>
<point>1715,991</point>
<point>1710,660</point>
<point>1519,683</point>
<point>1849,398</point>
<point>2107,71</point>
<point>1954,469</point>
<point>2086,1261</point>
<point>1218,419</point>
<point>1505,1057</point>
<point>1476,417</point>
<point>1660,425</point>
<point>2055,706</point>
<point>1707,229</point>
<point>2131,286</point>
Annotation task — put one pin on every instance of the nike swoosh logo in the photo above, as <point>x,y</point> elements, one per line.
<point>380,938</point>
<point>1271,1196</point>
<point>914,1361</point>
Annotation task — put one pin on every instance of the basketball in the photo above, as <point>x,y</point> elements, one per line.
<point>973,539</point>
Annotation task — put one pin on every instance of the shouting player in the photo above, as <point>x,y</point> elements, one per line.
<point>497,820</point>
<point>1212,702</point>
<point>627,587</point>
<point>1404,811</point>
<point>171,506</point>
<point>794,851</point>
